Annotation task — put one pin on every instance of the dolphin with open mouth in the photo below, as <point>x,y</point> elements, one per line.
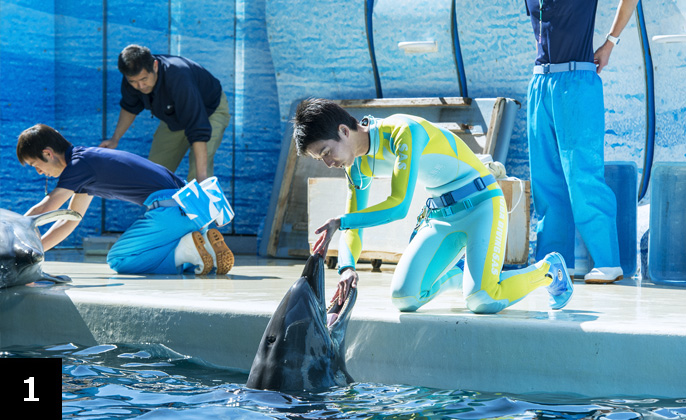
<point>21,250</point>
<point>302,348</point>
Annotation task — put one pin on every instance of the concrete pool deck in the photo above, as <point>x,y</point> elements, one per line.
<point>625,339</point>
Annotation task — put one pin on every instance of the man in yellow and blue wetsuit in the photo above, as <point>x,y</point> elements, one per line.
<point>465,214</point>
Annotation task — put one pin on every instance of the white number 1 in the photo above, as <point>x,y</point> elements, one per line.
<point>31,394</point>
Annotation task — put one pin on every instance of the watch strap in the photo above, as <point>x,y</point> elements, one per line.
<point>612,39</point>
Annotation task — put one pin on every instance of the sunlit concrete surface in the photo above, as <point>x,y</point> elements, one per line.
<point>622,339</point>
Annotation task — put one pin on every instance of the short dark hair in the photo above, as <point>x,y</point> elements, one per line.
<point>34,140</point>
<point>318,119</point>
<point>133,59</point>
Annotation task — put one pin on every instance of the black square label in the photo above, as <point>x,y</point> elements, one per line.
<point>33,386</point>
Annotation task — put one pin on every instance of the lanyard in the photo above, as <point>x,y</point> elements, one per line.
<point>368,120</point>
<point>540,22</point>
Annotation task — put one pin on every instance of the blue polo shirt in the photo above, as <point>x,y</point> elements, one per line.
<point>184,97</point>
<point>566,27</point>
<point>114,174</point>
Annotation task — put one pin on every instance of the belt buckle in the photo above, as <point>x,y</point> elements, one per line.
<point>546,68</point>
<point>467,204</point>
<point>447,199</point>
<point>572,65</point>
<point>479,184</point>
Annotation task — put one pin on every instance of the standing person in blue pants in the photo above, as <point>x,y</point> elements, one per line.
<point>163,241</point>
<point>566,128</point>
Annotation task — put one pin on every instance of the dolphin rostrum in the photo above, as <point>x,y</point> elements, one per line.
<point>300,350</point>
<point>21,250</point>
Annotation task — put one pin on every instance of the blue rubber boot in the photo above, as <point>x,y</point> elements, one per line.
<point>561,288</point>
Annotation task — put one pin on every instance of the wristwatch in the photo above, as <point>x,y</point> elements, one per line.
<point>612,39</point>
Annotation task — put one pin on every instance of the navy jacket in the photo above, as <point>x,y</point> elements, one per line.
<point>184,97</point>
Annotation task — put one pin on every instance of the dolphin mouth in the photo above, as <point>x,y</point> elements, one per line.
<point>335,311</point>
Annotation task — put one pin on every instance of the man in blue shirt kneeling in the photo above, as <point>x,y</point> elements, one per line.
<point>163,241</point>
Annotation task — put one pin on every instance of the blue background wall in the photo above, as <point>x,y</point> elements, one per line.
<point>58,66</point>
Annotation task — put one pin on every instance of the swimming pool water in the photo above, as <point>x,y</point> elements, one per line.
<point>154,382</point>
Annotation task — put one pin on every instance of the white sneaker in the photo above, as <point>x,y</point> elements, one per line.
<point>604,275</point>
<point>191,249</point>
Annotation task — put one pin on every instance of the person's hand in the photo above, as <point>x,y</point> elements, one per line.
<point>348,280</point>
<point>602,55</point>
<point>327,231</point>
<point>109,144</point>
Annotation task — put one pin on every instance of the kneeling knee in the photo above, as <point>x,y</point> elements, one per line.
<point>404,303</point>
<point>482,303</point>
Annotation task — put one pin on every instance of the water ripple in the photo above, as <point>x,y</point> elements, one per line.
<point>154,382</point>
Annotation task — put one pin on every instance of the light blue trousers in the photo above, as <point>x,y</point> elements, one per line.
<point>148,244</point>
<point>566,128</point>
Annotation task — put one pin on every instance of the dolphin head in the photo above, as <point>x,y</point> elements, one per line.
<point>299,349</point>
<point>21,250</point>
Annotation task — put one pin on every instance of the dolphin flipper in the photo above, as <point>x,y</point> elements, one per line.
<point>51,216</point>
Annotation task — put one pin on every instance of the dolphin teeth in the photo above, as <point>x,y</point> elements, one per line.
<point>335,309</point>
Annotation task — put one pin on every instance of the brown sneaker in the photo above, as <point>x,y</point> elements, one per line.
<point>199,242</point>
<point>221,250</point>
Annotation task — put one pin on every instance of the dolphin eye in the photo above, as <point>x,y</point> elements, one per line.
<point>271,339</point>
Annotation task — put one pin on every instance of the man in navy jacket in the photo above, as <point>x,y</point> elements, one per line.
<point>188,100</point>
